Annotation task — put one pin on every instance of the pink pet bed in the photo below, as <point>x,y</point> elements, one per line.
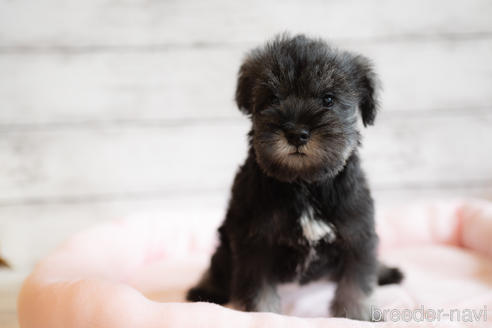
<point>134,273</point>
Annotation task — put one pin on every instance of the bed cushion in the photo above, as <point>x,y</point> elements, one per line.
<point>134,273</point>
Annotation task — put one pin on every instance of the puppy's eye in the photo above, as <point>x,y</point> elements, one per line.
<point>275,101</point>
<point>328,101</point>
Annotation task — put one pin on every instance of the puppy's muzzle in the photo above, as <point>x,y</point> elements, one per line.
<point>297,136</point>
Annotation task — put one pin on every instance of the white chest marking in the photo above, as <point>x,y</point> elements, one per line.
<point>314,230</point>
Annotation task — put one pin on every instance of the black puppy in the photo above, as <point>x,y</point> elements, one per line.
<point>300,209</point>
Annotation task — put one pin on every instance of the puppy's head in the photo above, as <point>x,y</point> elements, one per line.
<point>304,99</point>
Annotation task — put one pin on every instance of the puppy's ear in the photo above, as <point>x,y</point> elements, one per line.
<point>367,88</point>
<point>244,87</point>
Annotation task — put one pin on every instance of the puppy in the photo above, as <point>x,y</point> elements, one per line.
<point>301,209</point>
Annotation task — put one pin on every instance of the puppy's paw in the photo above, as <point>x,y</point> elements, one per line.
<point>202,294</point>
<point>352,310</point>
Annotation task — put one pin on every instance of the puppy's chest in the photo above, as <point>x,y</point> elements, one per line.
<point>306,230</point>
<point>316,238</point>
<point>315,230</point>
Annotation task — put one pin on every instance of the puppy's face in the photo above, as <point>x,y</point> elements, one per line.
<point>304,100</point>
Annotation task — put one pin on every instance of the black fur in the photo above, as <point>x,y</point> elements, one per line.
<point>302,97</point>
<point>387,275</point>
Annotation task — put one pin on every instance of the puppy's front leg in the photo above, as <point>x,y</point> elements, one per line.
<point>251,288</point>
<point>265,300</point>
<point>356,282</point>
<point>350,301</point>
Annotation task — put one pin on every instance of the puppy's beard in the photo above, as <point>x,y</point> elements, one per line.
<point>316,159</point>
<point>297,157</point>
<point>308,155</point>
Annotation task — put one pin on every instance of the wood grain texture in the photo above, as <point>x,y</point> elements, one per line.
<point>120,25</point>
<point>72,162</point>
<point>65,164</point>
<point>190,84</point>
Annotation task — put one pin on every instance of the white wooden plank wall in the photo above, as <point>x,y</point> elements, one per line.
<point>115,107</point>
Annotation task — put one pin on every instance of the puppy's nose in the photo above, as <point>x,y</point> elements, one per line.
<point>297,137</point>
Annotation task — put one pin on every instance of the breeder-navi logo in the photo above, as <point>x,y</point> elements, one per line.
<point>430,315</point>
